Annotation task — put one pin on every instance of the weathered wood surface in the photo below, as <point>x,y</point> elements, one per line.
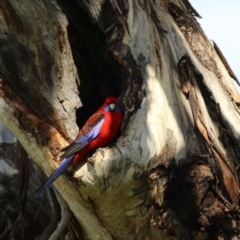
<point>36,60</point>
<point>181,113</point>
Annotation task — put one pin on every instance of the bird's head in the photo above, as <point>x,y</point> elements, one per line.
<point>111,104</point>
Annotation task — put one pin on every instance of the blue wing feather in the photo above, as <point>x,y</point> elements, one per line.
<point>80,142</point>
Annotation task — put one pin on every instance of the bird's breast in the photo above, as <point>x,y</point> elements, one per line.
<point>108,130</point>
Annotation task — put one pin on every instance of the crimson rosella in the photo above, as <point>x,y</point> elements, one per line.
<point>98,130</point>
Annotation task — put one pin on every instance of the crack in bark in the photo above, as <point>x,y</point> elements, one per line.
<point>45,134</point>
<point>225,62</point>
<point>227,175</point>
<point>200,45</point>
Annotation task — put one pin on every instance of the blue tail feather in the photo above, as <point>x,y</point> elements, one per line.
<point>58,171</point>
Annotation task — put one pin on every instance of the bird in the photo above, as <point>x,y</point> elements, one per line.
<point>99,130</point>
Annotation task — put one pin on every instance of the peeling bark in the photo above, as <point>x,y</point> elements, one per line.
<point>37,61</point>
<point>172,172</point>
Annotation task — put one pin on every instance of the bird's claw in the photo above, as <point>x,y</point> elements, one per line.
<point>101,150</point>
<point>91,160</point>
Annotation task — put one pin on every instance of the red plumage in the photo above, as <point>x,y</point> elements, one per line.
<point>99,130</point>
<point>111,124</point>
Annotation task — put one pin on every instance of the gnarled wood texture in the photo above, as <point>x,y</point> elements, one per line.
<point>172,173</point>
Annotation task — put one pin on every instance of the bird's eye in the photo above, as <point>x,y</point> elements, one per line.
<point>112,106</point>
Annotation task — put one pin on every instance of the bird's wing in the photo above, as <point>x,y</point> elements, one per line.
<point>88,132</point>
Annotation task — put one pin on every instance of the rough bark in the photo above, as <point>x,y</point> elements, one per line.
<point>172,172</point>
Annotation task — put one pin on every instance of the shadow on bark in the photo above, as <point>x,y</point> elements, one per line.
<point>187,191</point>
<point>22,215</point>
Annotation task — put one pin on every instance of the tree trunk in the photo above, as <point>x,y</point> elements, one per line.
<point>172,172</point>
